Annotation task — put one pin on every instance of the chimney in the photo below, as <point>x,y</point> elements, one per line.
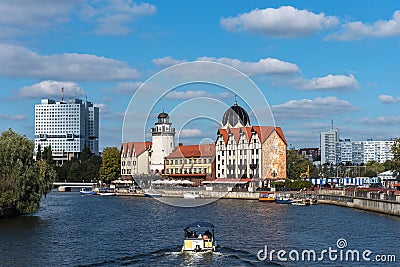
<point>180,144</point>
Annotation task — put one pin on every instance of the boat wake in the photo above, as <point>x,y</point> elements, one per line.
<point>175,257</point>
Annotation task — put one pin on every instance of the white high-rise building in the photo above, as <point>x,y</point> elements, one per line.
<point>163,142</point>
<point>66,127</point>
<point>329,140</point>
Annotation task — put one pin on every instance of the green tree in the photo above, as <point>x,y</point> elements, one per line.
<point>47,155</point>
<point>395,163</point>
<point>90,167</point>
<point>22,180</point>
<point>39,153</point>
<point>85,154</point>
<point>297,166</point>
<point>111,164</point>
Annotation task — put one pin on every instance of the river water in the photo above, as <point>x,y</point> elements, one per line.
<point>74,230</point>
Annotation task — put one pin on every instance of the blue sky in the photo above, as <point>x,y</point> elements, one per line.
<point>314,61</point>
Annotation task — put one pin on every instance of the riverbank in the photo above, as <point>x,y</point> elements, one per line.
<point>380,202</point>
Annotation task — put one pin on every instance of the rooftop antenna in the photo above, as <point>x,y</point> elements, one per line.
<point>332,123</point>
<point>62,94</point>
<point>235,101</point>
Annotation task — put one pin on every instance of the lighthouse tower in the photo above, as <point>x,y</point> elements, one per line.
<point>163,136</point>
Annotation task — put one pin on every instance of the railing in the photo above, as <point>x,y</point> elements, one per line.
<point>376,195</point>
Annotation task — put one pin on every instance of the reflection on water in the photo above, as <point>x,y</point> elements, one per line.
<point>74,230</point>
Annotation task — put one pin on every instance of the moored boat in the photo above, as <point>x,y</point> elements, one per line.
<point>191,195</point>
<point>301,202</point>
<point>283,200</point>
<point>199,237</point>
<point>152,195</point>
<point>87,192</point>
<point>266,196</point>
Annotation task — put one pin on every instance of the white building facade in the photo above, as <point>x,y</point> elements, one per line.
<point>66,127</point>
<point>328,141</point>
<point>135,158</point>
<point>163,142</point>
<point>244,151</point>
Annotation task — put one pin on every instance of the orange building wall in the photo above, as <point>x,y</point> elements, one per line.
<point>274,157</point>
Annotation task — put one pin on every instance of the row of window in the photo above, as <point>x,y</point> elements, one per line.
<point>241,152</point>
<point>186,171</point>
<point>187,161</point>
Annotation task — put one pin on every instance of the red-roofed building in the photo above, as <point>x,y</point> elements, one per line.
<point>244,151</point>
<point>135,158</point>
<point>192,162</point>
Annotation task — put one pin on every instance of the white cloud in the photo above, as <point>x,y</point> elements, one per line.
<point>103,108</point>
<point>359,30</point>
<point>263,66</point>
<point>23,63</point>
<point>12,117</point>
<point>189,94</point>
<point>26,16</point>
<point>51,89</point>
<point>386,121</point>
<point>115,16</point>
<point>167,61</point>
<point>271,67</point>
<point>190,133</point>
<point>388,99</point>
<point>126,88</point>
<point>330,82</point>
<point>311,108</point>
<point>285,21</point>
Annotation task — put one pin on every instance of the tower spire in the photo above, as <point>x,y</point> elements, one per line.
<point>62,94</point>
<point>235,103</point>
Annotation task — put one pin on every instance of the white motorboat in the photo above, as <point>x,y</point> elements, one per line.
<point>199,237</point>
<point>191,195</point>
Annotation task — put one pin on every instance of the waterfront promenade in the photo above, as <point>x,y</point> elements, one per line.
<point>376,201</point>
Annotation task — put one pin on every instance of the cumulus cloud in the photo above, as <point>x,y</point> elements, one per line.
<point>330,82</point>
<point>109,17</point>
<point>189,94</point>
<point>23,63</point>
<point>263,66</point>
<point>51,89</point>
<point>275,68</point>
<point>358,30</point>
<point>12,117</point>
<point>114,17</point>
<point>311,108</point>
<point>382,121</point>
<point>126,88</point>
<point>388,99</point>
<point>103,108</point>
<point>285,21</point>
<point>167,61</point>
<point>25,16</point>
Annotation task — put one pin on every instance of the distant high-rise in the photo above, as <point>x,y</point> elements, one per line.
<point>329,140</point>
<point>66,127</point>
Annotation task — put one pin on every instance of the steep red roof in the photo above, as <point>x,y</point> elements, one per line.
<point>193,151</point>
<point>263,133</point>
<point>138,147</point>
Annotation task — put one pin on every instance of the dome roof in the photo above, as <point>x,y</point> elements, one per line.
<point>234,115</point>
<point>162,115</point>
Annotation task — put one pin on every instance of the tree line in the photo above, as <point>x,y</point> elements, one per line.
<point>24,179</point>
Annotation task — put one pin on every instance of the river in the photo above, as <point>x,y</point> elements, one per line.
<point>74,230</point>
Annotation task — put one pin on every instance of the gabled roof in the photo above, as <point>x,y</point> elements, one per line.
<point>263,132</point>
<point>193,151</point>
<point>138,147</point>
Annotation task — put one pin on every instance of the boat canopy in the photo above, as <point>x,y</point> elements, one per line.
<point>200,224</point>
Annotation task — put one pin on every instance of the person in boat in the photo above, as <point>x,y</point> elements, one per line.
<point>207,235</point>
<point>187,232</point>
